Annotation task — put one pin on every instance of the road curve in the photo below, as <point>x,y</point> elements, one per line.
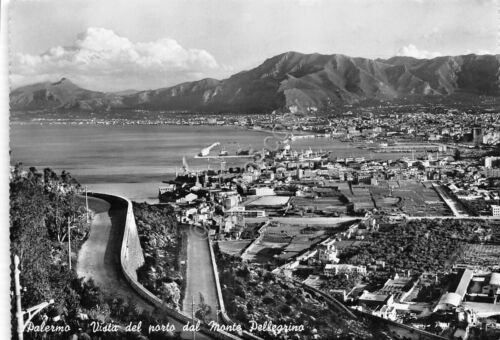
<point>99,258</point>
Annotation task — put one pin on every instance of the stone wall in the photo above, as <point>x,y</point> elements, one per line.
<point>227,320</point>
<point>132,258</point>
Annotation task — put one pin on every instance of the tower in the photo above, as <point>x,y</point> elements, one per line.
<point>299,172</point>
<point>477,136</point>
<point>198,184</point>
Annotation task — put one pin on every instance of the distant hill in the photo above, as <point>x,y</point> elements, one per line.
<point>62,94</point>
<point>288,79</point>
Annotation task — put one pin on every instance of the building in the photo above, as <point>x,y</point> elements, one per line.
<point>495,283</point>
<point>491,138</point>
<point>477,136</point>
<point>166,188</point>
<point>491,162</point>
<point>187,215</point>
<point>335,269</point>
<point>300,173</point>
<point>375,300</point>
<point>241,210</point>
<point>495,210</point>
<point>454,297</point>
<point>386,312</point>
<point>400,287</point>
<point>231,201</point>
<point>492,172</point>
<point>327,252</point>
<point>485,288</point>
<point>262,191</point>
<point>187,199</point>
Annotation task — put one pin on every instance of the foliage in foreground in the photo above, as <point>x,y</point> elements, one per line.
<point>40,206</point>
<point>161,241</point>
<point>254,294</point>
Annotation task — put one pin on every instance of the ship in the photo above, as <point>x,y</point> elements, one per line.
<point>241,152</point>
<point>309,155</point>
<point>223,152</point>
<point>205,153</point>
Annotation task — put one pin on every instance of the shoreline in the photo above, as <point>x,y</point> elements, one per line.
<point>148,154</point>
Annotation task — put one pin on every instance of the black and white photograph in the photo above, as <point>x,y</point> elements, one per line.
<point>252,169</point>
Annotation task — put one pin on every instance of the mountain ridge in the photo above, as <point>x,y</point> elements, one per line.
<point>285,80</point>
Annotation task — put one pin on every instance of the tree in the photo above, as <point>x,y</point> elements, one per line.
<point>91,295</point>
<point>204,310</point>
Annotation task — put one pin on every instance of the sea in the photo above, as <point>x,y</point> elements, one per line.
<point>133,160</point>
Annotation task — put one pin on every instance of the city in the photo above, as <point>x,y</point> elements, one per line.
<point>252,170</point>
<point>320,219</point>
<point>406,237</point>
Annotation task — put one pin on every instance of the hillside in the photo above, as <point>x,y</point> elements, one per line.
<point>62,94</point>
<point>288,79</point>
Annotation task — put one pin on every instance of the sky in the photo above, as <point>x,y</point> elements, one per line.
<point>114,45</point>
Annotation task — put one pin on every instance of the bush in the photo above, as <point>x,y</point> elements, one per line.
<point>240,292</point>
<point>267,300</point>
<point>285,309</point>
<point>91,295</point>
<point>243,272</point>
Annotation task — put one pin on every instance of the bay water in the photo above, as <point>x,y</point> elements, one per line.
<point>133,160</point>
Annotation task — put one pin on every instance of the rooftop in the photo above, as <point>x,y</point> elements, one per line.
<point>367,296</point>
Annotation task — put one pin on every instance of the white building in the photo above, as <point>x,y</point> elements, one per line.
<point>187,199</point>
<point>335,269</point>
<point>327,252</point>
<point>263,191</point>
<point>495,210</point>
<point>241,210</point>
<point>166,188</point>
<point>231,201</point>
<point>386,312</point>
<point>491,138</point>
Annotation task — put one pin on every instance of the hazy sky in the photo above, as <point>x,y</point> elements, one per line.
<point>117,44</point>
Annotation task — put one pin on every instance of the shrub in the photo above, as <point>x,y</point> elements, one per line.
<point>285,309</point>
<point>267,300</point>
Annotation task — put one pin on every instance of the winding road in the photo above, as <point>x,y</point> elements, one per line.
<point>99,258</point>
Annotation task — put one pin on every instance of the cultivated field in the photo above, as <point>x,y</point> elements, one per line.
<point>286,240</point>
<point>481,255</point>
<point>233,247</point>
<point>269,201</point>
<point>410,197</point>
<point>318,204</point>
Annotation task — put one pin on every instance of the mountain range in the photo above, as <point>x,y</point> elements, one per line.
<point>285,80</point>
